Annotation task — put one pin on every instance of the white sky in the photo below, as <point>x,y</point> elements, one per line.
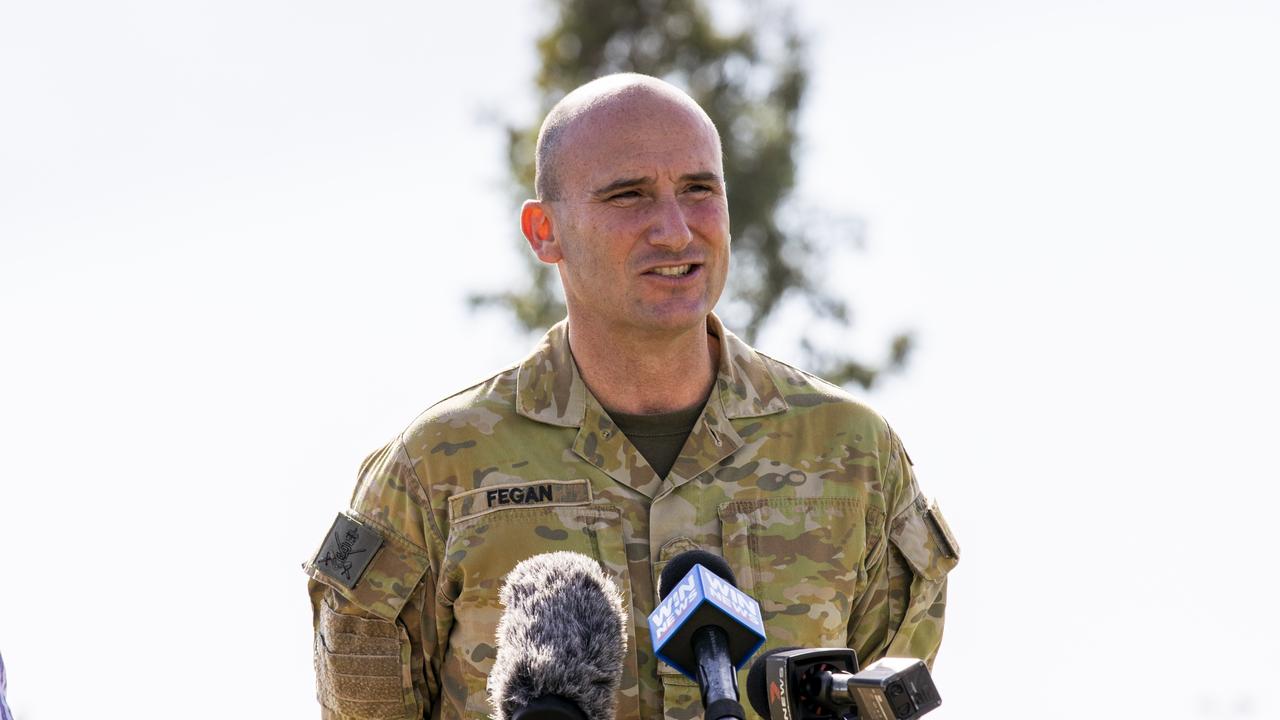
<point>235,240</point>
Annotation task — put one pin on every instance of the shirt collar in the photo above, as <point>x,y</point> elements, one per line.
<point>549,388</point>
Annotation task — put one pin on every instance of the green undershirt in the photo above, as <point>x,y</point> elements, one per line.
<point>659,438</point>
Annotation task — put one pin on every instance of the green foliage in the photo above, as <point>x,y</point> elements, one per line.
<point>752,84</point>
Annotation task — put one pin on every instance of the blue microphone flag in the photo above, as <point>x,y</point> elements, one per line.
<point>703,598</point>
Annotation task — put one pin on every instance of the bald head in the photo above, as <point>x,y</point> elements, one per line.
<point>616,94</point>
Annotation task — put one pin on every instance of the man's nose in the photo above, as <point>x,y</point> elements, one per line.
<point>670,227</point>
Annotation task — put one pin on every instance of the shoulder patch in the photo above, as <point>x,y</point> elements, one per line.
<point>347,550</point>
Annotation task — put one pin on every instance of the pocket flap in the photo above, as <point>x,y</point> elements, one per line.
<point>383,586</point>
<point>923,537</point>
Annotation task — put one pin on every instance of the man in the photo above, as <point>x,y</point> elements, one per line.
<point>639,428</point>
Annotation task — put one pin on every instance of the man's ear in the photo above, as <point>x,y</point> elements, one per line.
<point>535,223</point>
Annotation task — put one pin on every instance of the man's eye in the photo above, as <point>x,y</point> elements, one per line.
<point>626,196</point>
<point>699,189</point>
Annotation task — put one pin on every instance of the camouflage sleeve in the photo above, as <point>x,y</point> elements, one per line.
<point>375,643</point>
<point>899,612</point>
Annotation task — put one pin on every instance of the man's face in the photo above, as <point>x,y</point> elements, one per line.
<point>642,222</point>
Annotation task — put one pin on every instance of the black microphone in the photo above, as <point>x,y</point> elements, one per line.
<point>706,628</point>
<point>822,683</point>
<point>561,641</point>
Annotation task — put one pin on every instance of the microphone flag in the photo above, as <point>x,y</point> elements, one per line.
<point>703,598</point>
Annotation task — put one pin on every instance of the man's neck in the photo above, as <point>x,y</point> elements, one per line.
<point>645,374</point>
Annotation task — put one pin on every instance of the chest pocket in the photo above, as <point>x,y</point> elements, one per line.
<point>486,541</point>
<point>803,559</point>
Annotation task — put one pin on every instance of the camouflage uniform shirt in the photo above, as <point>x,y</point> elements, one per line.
<point>806,493</point>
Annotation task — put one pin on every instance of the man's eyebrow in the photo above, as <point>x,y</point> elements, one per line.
<point>622,183</point>
<point>705,176</point>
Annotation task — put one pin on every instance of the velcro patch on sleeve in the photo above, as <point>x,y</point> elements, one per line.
<point>347,550</point>
<point>941,527</point>
<point>497,497</point>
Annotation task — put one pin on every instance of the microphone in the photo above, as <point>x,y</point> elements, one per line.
<point>822,683</point>
<point>706,628</point>
<point>561,641</point>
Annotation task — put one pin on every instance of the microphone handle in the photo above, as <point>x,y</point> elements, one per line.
<point>717,678</point>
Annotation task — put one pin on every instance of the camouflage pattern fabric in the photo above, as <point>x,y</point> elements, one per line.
<point>807,494</point>
<point>4,686</point>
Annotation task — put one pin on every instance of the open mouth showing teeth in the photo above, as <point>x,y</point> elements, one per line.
<point>676,271</point>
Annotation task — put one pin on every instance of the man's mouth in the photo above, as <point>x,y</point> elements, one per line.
<point>673,271</point>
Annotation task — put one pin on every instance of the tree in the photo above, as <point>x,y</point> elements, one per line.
<point>752,84</point>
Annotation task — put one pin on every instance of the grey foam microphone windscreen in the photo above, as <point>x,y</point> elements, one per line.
<point>563,634</point>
